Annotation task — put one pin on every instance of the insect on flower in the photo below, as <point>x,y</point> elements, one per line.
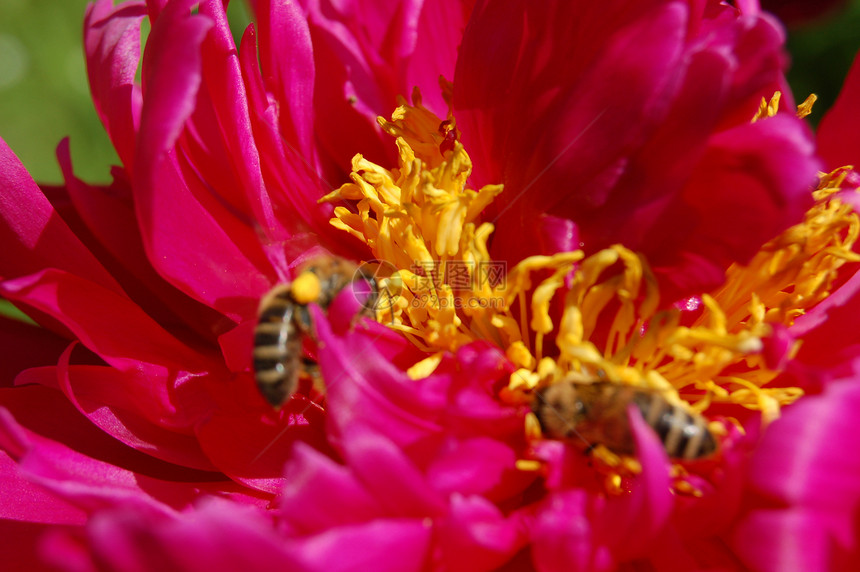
<point>283,321</point>
<point>597,414</point>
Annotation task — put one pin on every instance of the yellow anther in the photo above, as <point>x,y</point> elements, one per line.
<point>574,317</point>
<point>425,367</point>
<point>520,356</point>
<point>805,108</point>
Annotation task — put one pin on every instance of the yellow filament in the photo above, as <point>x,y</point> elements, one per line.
<point>571,316</point>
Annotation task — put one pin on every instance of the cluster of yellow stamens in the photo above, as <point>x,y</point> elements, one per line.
<point>423,219</point>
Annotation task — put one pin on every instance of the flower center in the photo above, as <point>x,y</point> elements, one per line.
<point>571,316</point>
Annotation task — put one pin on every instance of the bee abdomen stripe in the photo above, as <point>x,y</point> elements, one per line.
<point>270,376</point>
<point>273,352</point>
<point>696,436</point>
<point>275,312</point>
<point>264,338</point>
<point>656,407</point>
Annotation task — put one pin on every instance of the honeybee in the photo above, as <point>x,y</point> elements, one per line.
<point>596,413</point>
<point>283,321</point>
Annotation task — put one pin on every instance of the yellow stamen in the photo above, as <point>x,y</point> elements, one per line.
<point>422,218</point>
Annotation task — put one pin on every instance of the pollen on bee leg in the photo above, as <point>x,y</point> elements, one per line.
<point>306,288</point>
<point>528,465</point>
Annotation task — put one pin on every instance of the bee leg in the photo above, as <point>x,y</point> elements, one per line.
<point>302,319</point>
<point>311,369</point>
<point>590,449</point>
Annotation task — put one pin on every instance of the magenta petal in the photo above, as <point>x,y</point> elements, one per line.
<point>804,488</point>
<point>112,43</point>
<point>823,469</point>
<point>187,243</point>
<point>839,132</point>
<point>217,536</point>
<point>105,396</point>
<point>22,544</point>
<point>389,476</point>
<point>286,56</point>
<point>477,536</point>
<point>32,233</point>
<point>437,40</point>
<point>563,535</point>
<point>89,311</point>
<point>232,108</point>
<point>591,531</point>
<point>371,392</point>
<point>26,346</point>
<point>471,466</point>
<point>389,545</point>
<point>633,521</point>
<point>94,485</point>
<point>77,479</point>
<point>792,540</point>
<point>118,440</point>
<point>320,494</point>
<point>831,341</point>
<point>108,213</point>
<point>252,445</point>
<point>20,499</point>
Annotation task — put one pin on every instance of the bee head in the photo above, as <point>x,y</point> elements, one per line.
<point>559,409</point>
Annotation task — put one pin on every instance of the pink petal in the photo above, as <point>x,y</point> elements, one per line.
<point>94,485</point>
<point>192,240</point>
<point>22,500</point>
<point>224,82</point>
<point>437,40</point>
<point>48,413</point>
<point>112,44</point>
<point>217,536</point>
<point>471,466</point>
<point>390,476</point>
<point>72,477</point>
<point>89,311</point>
<point>251,445</point>
<point>830,339</point>
<point>20,549</point>
<point>33,235</point>
<point>792,540</point>
<point>295,183</point>
<point>477,536</point>
<point>385,545</point>
<point>320,494</point>
<point>804,486</point>
<point>591,531</point>
<point>563,535</point>
<point>634,161</point>
<point>108,214</point>
<point>286,56</point>
<point>26,346</point>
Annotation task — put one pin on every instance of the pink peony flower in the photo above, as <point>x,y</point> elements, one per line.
<point>608,198</point>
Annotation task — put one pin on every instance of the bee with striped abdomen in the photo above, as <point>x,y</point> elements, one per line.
<point>596,413</point>
<point>283,321</point>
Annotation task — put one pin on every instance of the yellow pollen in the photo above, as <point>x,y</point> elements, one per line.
<point>306,288</point>
<point>575,317</point>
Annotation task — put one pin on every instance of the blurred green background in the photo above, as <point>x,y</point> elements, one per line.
<point>44,95</point>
